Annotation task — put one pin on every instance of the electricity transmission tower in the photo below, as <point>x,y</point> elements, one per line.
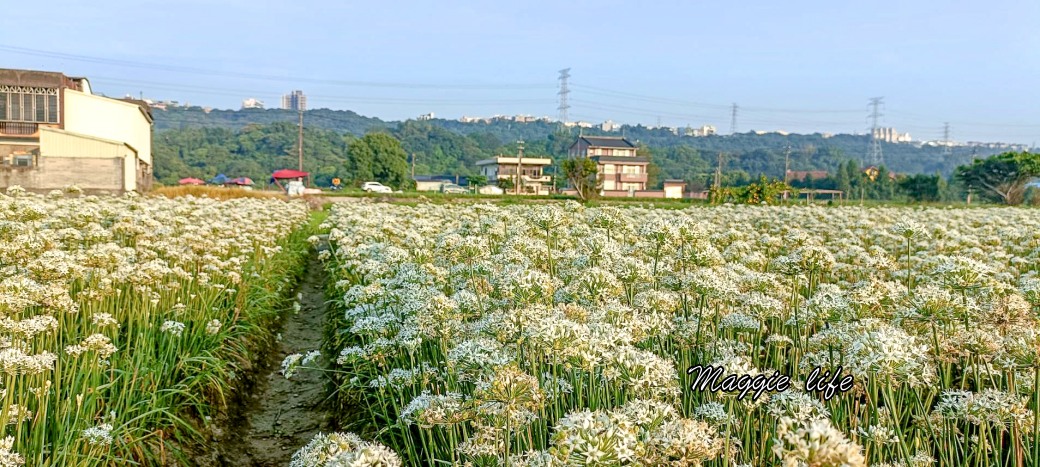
<point>947,148</point>
<point>564,92</point>
<point>733,120</point>
<point>874,155</point>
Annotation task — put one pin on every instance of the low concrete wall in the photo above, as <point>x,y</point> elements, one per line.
<point>53,173</point>
<point>636,194</point>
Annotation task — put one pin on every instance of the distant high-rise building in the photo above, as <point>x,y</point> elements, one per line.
<point>890,135</point>
<point>252,103</point>
<point>294,101</point>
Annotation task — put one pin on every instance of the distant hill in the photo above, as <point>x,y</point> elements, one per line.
<point>254,142</point>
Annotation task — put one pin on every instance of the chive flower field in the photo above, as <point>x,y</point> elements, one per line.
<point>126,321</point>
<point>557,334</point>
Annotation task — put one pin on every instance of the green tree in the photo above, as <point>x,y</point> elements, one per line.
<point>477,180</point>
<point>1003,176</point>
<point>582,174</point>
<point>379,157</point>
<point>922,187</point>
<point>842,180</point>
<point>653,171</point>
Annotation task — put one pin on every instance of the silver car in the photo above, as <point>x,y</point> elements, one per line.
<point>454,189</point>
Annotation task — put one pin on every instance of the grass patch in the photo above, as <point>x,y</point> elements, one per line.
<point>213,192</point>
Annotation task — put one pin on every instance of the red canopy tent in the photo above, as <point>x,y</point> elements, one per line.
<point>191,181</point>
<point>241,181</point>
<point>286,174</point>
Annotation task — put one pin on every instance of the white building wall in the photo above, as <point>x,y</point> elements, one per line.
<point>58,143</point>
<point>111,119</point>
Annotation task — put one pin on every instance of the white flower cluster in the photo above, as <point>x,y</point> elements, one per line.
<point>523,328</point>
<point>341,450</point>
<point>81,277</point>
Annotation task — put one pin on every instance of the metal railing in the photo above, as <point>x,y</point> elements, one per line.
<point>18,128</point>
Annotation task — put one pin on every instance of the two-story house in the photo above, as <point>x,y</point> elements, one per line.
<point>55,132</point>
<point>617,163</point>
<point>532,180</point>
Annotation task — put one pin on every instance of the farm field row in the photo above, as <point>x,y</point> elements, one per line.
<point>126,322</point>
<point>562,335</point>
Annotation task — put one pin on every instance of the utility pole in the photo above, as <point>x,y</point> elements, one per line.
<point>519,164</point>
<point>874,155</point>
<point>787,170</point>
<point>413,166</point>
<point>299,142</point>
<point>787,163</point>
<point>733,120</point>
<point>718,173</point>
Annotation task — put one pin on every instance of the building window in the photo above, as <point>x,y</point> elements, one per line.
<point>23,160</point>
<point>608,169</point>
<point>29,104</point>
<point>52,109</point>
<point>16,108</point>
<point>41,108</point>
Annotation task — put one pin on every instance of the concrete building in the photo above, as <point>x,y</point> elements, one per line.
<point>533,179</point>
<point>674,188</point>
<point>426,117</point>
<point>434,182</point>
<point>801,175</point>
<point>890,135</point>
<point>616,161</point>
<point>54,132</point>
<point>704,130</point>
<point>294,101</point>
<point>252,103</point>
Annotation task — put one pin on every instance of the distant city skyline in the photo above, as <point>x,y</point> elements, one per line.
<point>802,66</point>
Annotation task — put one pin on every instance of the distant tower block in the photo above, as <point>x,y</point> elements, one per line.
<point>294,101</point>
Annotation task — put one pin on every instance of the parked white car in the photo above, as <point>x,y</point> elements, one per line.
<point>490,190</point>
<point>376,187</point>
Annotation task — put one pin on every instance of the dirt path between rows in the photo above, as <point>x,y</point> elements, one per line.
<point>282,415</point>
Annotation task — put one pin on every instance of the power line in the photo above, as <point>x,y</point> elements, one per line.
<point>351,99</point>
<point>256,76</point>
<point>673,101</point>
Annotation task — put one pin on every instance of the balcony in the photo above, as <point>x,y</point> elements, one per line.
<point>639,178</point>
<point>537,179</point>
<point>20,129</point>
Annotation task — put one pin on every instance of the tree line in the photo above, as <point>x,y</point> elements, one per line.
<point>192,143</point>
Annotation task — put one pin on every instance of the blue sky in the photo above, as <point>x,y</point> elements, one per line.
<point>801,66</point>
